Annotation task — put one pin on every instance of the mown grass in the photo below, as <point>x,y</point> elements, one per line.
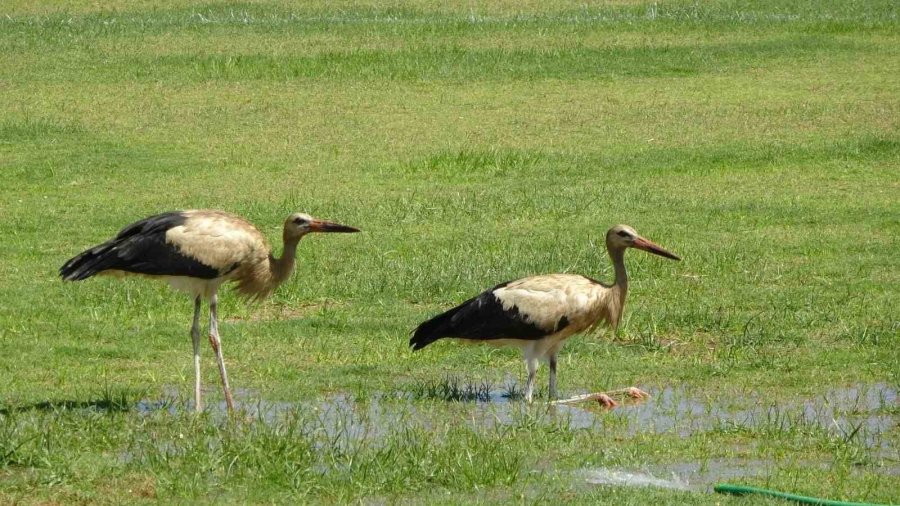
<point>472,144</point>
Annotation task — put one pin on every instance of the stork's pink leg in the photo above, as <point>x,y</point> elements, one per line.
<point>195,337</point>
<point>216,344</point>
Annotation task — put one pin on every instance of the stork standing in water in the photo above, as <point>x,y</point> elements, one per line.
<point>196,251</point>
<point>538,313</point>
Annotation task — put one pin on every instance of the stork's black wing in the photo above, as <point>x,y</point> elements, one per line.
<point>480,318</point>
<point>140,248</point>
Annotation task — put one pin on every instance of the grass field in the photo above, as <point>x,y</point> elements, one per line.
<point>473,144</point>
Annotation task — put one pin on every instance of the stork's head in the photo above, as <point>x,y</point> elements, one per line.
<point>622,236</point>
<point>299,224</point>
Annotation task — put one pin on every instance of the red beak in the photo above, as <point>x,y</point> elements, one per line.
<point>329,226</point>
<point>649,246</point>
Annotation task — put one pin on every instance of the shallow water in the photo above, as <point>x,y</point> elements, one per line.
<point>842,410</point>
<point>866,411</point>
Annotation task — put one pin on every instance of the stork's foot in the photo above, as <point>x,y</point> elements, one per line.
<point>602,398</point>
<point>605,398</point>
<point>637,393</point>
<point>606,401</point>
<point>633,392</point>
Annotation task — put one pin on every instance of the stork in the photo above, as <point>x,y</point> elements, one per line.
<point>196,251</point>
<point>537,314</point>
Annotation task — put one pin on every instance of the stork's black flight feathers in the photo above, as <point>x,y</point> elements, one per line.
<point>480,318</point>
<point>139,248</point>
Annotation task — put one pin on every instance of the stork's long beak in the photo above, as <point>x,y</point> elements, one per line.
<point>330,226</point>
<point>651,247</point>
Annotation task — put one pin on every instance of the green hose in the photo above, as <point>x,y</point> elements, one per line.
<point>725,488</point>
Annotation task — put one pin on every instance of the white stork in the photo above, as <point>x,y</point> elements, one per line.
<point>538,313</point>
<point>196,251</point>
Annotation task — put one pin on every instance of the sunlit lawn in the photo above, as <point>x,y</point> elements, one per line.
<point>473,145</point>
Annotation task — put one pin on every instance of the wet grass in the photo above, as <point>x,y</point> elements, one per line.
<point>473,145</point>
<point>343,449</point>
<point>450,389</point>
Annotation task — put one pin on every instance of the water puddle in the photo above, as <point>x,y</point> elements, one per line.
<point>860,412</point>
<point>866,411</point>
<point>247,402</point>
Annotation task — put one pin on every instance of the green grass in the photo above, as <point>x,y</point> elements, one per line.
<point>759,141</point>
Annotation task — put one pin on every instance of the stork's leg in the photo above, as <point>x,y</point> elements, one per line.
<point>195,337</point>
<point>553,394</point>
<point>531,364</point>
<point>216,344</point>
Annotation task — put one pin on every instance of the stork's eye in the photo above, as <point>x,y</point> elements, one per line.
<point>300,221</point>
<point>623,234</point>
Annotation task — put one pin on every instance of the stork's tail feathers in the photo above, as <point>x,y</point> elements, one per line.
<point>432,330</point>
<point>90,262</point>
